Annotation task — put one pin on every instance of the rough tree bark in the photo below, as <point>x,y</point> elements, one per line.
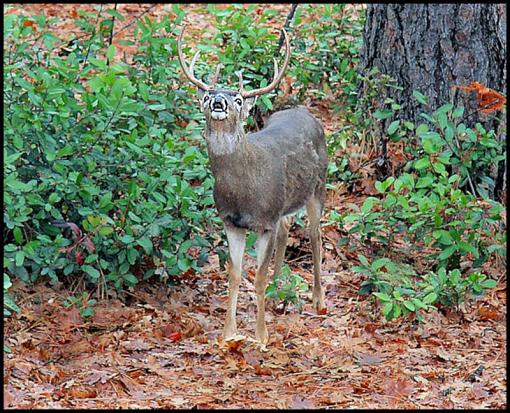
<point>432,47</point>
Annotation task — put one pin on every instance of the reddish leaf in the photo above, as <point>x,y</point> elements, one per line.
<point>175,336</point>
<point>78,257</point>
<point>263,371</point>
<point>322,311</point>
<point>75,228</point>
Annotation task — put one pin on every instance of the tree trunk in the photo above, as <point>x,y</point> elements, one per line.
<point>431,48</point>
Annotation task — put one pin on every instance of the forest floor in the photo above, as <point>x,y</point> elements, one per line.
<point>160,346</point>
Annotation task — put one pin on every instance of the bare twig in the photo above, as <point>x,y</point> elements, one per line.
<point>90,44</point>
<point>286,27</point>
<point>134,20</point>
<point>113,24</point>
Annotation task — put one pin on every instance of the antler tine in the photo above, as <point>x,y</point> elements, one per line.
<point>277,74</point>
<point>189,72</point>
<point>214,79</point>
<point>241,84</point>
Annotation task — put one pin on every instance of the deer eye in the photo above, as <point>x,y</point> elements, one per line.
<point>238,101</point>
<point>206,98</point>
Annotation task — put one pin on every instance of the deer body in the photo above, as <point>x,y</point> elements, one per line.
<point>260,179</point>
<point>271,173</point>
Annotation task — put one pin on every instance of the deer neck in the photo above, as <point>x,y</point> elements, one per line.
<point>224,141</point>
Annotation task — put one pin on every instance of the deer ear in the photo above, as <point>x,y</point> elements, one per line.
<point>248,104</point>
<point>200,93</point>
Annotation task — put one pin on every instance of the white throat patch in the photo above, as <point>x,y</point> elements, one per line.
<point>219,115</point>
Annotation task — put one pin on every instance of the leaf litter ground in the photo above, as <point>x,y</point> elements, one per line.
<point>160,347</point>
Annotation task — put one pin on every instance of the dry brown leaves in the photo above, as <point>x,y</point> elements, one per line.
<point>164,350</point>
<point>488,99</point>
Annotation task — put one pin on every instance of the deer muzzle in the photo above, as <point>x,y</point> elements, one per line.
<point>218,107</point>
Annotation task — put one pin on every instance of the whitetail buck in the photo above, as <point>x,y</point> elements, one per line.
<point>260,179</point>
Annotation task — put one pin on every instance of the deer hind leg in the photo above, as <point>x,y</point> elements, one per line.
<point>314,210</point>
<point>282,235</point>
<point>236,242</point>
<point>265,248</point>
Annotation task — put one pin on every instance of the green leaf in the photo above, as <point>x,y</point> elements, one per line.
<point>267,102</point>
<point>127,239</point>
<point>105,230</point>
<point>488,283</point>
<point>387,309</point>
<point>146,244</point>
<point>418,303</point>
<point>409,305</point>
<point>447,252</point>
<point>91,271</point>
<point>18,235</point>
<point>115,13</point>
<point>422,163</point>
<point>363,260</point>
<point>383,114</point>
<point>368,204</point>
<point>430,298</point>
<point>20,258</point>
<point>379,186</point>
<point>65,151</point>
<point>393,127</point>
<point>110,52</point>
<point>7,282</point>
<point>105,200</point>
<point>130,279</point>
<point>420,97</point>
<point>87,312</point>
<point>382,296</point>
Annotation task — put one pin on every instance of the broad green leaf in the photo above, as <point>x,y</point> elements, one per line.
<point>382,296</point>
<point>447,252</point>
<point>91,271</point>
<point>393,127</point>
<point>430,298</point>
<point>420,97</point>
<point>146,244</point>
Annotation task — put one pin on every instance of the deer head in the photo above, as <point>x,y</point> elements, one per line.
<point>226,108</point>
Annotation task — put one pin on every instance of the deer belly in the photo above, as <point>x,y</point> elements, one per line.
<point>249,212</point>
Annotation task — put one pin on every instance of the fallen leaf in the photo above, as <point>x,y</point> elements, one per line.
<point>365,359</point>
<point>175,336</point>
<point>298,402</point>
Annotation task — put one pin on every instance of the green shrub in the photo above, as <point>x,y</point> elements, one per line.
<point>105,172</point>
<point>428,208</point>
<point>402,292</point>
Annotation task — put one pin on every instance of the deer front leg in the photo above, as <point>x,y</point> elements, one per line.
<point>265,247</point>
<point>236,241</point>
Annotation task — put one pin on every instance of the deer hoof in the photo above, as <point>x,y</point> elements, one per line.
<point>318,301</point>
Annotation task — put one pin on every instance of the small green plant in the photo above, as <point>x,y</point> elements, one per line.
<point>287,288</point>
<point>82,302</point>
<point>402,292</point>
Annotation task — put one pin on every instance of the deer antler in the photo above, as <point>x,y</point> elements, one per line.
<point>189,72</point>
<point>277,75</point>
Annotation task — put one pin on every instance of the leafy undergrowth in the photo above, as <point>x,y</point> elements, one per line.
<point>158,348</point>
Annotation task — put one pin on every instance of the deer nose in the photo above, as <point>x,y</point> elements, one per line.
<point>218,102</point>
